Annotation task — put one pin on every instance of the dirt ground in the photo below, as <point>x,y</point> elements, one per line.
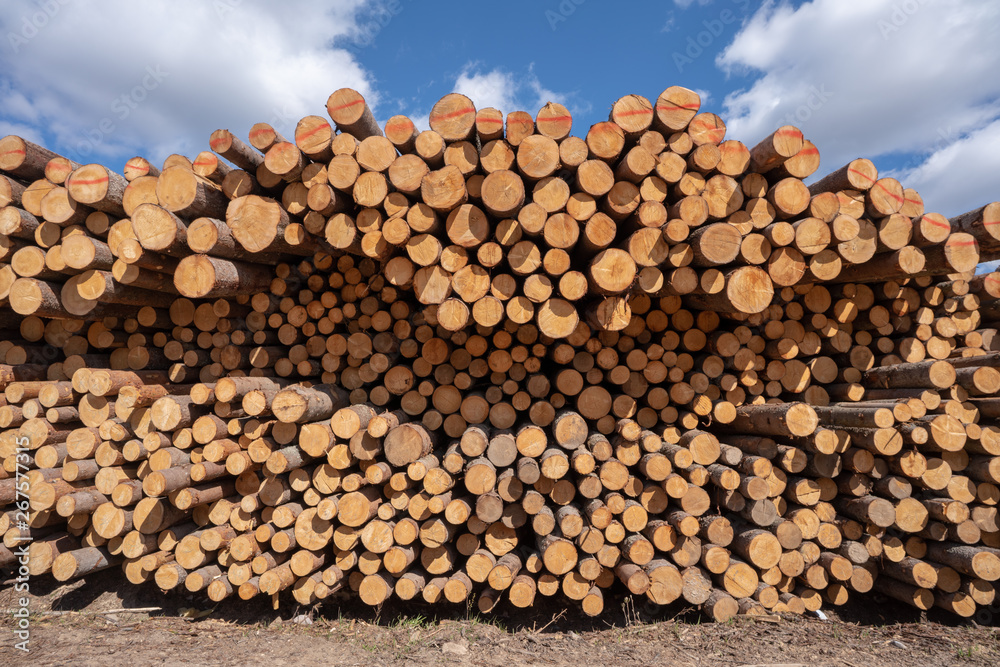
<point>76,624</point>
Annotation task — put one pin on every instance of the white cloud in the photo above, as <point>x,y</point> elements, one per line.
<point>495,88</point>
<point>877,78</point>
<point>164,75</point>
<point>988,267</point>
<point>961,176</point>
<point>422,122</point>
<point>507,91</point>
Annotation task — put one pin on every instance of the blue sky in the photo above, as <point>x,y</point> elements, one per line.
<point>909,83</point>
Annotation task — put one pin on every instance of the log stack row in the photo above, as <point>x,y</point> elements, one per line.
<point>495,361</point>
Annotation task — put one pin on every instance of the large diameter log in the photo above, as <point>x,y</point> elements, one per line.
<point>715,244</point>
<point>959,254</point>
<point>259,224</point>
<point>82,252</point>
<point>206,277</point>
<point>406,444</point>
<point>159,230</point>
<point>748,290</point>
<point>444,189</point>
<point>982,223</point>
<point>17,222</point>
<point>101,286</point>
<point>782,419</point>
<point>503,193</point>
<point>557,318</point>
<point>675,108</point>
<point>348,109</point>
<point>23,159</point>
<point>80,562</point>
<point>905,262</point>
<point>929,374</point>
<point>980,562</point>
<point>36,297</point>
<point>611,272</point>
<point>453,117</point>
<point>776,148</point>
<point>183,192</point>
<point>10,191</point>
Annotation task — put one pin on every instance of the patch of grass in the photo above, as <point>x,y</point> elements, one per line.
<point>966,652</point>
<point>478,619</point>
<point>412,622</point>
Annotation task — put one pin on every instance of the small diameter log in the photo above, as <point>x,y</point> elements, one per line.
<point>298,404</point>
<point>859,175</point>
<point>226,144</point>
<point>98,187</point>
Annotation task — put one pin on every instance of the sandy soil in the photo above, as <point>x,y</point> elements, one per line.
<point>77,624</point>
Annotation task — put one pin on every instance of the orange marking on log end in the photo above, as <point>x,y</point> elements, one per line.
<point>453,114</point>
<point>344,106</point>
<point>634,112</point>
<point>861,173</point>
<point>961,244</point>
<point>715,134</point>
<point>556,119</point>
<point>16,151</point>
<point>788,133</point>
<point>894,196</point>
<point>490,120</point>
<point>808,151</point>
<point>90,181</point>
<point>263,130</point>
<point>204,163</point>
<point>670,106</point>
<point>399,125</point>
<point>936,223</point>
<point>305,135</point>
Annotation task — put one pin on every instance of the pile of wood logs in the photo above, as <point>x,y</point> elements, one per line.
<point>492,361</point>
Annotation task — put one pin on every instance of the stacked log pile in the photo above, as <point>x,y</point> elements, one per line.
<point>495,361</point>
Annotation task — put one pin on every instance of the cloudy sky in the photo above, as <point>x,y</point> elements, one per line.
<point>912,84</point>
